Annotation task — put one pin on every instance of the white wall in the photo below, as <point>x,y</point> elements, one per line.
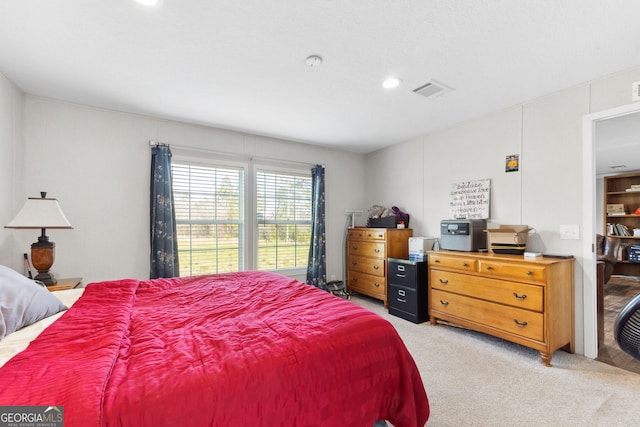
<point>97,164</point>
<point>545,193</point>
<point>11,161</point>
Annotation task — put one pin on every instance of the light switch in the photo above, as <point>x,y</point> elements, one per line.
<point>570,232</point>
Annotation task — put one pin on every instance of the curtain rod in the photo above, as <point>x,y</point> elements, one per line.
<point>153,143</point>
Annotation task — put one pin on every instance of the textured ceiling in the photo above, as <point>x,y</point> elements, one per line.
<point>241,64</point>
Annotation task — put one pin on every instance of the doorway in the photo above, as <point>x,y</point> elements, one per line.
<point>592,123</point>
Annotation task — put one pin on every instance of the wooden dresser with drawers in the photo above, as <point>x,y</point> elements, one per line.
<point>529,302</point>
<point>367,253</point>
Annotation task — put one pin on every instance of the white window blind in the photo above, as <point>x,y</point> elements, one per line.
<point>209,218</point>
<point>283,210</point>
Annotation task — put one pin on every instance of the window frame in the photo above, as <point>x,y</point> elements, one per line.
<point>250,167</point>
<point>276,167</point>
<point>198,160</point>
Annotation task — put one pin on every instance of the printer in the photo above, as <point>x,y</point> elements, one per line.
<point>463,234</point>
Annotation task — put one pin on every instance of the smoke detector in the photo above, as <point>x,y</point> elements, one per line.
<point>313,61</point>
<point>432,89</point>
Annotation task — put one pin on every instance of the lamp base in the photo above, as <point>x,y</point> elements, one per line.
<point>46,278</point>
<point>42,255</point>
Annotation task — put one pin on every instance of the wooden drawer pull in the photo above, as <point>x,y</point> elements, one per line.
<point>437,261</point>
<point>465,264</point>
<point>354,263</point>
<point>520,297</point>
<point>377,285</point>
<point>445,303</point>
<point>376,267</point>
<point>355,248</point>
<point>376,251</point>
<point>529,273</point>
<point>521,324</point>
<point>444,281</point>
<point>489,267</point>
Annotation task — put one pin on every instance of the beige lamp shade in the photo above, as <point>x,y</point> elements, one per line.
<point>40,213</point>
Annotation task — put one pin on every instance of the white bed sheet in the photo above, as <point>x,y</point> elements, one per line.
<point>14,343</point>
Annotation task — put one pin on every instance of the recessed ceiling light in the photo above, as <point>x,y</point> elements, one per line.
<point>148,2</point>
<point>391,82</point>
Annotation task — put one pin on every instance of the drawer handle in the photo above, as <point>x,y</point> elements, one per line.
<point>354,263</point>
<point>520,297</point>
<point>355,248</point>
<point>489,267</point>
<point>375,267</point>
<point>529,273</point>
<point>401,292</point>
<point>464,264</point>
<point>445,303</point>
<point>376,251</point>
<point>402,276</point>
<point>380,236</point>
<point>521,324</point>
<point>444,281</point>
<point>437,261</point>
<point>354,280</point>
<point>401,268</point>
<point>377,285</point>
<point>401,300</point>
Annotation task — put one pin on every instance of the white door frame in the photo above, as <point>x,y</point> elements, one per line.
<point>588,221</point>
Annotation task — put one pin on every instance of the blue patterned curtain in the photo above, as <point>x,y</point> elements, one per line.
<point>316,271</point>
<point>164,245</point>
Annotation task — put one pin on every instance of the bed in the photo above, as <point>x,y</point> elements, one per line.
<point>237,349</point>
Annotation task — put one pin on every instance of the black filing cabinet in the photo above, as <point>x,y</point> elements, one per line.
<point>407,290</point>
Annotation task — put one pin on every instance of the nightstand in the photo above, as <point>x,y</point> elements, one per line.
<point>63,284</point>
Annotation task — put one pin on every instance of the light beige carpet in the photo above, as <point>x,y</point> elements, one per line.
<point>473,379</point>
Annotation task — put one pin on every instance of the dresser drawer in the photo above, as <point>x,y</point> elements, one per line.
<point>519,271</point>
<point>374,266</point>
<point>402,273</point>
<point>368,249</point>
<point>367,284</point>
<point>356,234</point>
<point>450,262</point>
<point>375,233</point>
<point>513,320</point>
<point>516,294</point>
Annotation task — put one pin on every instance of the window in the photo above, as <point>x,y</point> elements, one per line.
<point>283,207</point>
<point>209,218</point>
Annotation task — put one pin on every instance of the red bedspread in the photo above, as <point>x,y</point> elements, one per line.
<point>240,349</point>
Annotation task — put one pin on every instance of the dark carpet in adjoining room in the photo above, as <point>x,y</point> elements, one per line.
<point>617,292</point>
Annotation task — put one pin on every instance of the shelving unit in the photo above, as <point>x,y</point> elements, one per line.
<point>617,192</point>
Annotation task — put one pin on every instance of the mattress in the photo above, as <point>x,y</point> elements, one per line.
<point>14,343</point>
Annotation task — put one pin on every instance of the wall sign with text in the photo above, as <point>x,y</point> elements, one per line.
<point>470,199</point>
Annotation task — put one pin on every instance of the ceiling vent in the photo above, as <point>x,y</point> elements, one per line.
<point>432,89</point>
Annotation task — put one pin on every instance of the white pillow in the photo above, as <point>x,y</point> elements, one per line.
<point>23,301</point>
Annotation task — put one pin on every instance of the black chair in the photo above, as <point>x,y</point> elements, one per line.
<point>626,330</point>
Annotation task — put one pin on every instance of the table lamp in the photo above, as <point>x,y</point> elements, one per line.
<point>41,213</point>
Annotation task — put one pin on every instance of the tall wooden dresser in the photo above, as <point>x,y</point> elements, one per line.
<point>368,250</point>
<point>529,302</point>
